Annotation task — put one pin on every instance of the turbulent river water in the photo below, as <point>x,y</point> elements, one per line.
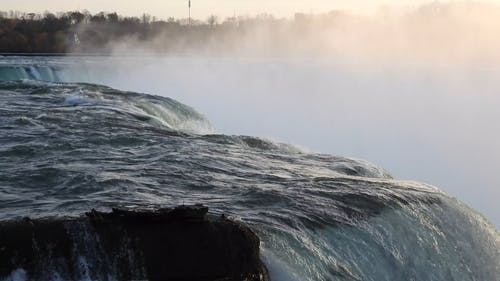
<point>68,147</point>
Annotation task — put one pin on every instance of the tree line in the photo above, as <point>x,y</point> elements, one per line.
<point>81,31</point>
<point>454,30</point>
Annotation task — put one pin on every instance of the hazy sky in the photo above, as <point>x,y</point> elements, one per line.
<point>203,8</point>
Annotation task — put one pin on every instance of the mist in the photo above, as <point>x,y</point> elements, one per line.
<point>414,91</point>
<point>437,33</point>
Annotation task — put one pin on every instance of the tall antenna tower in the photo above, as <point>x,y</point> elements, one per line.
<point>189,8</point>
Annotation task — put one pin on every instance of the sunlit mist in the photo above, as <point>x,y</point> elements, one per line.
<point>413,90</point>
<point>411,85</point>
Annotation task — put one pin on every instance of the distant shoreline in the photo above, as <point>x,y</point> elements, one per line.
<point>52,54</point>
<point>120,54</point>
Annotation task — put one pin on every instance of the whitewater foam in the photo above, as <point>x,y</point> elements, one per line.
<point>77,98</point>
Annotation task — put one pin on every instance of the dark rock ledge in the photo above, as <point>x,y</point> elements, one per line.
<point>183,243</point>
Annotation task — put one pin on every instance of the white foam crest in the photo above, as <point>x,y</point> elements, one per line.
<point>163,112</point>
<point>31,82</point>
<point>78,98</point>
<point>176,116</point>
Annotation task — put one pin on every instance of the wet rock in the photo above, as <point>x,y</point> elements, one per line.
<point>182,243</point>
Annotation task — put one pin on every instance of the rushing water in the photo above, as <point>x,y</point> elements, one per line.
<point>68,147</point>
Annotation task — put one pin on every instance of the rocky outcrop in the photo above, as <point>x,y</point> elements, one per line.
<point>183,243</point>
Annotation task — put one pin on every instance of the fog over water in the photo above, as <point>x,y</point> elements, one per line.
<point>415,92</point>
<point>436,124</point>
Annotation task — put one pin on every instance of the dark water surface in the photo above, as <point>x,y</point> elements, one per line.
<point>67,148</point>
